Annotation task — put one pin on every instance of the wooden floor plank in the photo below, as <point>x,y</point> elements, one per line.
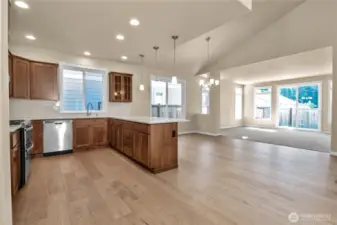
<point>219,181</point>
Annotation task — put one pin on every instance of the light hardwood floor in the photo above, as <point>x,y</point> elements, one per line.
<point>219,181</point>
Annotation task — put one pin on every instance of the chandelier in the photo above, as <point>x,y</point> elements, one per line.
<point>208,82</point>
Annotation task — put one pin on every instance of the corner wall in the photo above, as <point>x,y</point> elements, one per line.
<point>5,191</point>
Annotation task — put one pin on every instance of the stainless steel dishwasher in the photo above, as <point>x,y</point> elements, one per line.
<point>57,137</point>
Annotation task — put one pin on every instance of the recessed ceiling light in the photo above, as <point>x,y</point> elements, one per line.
<point>134,22</point>
<point>21,4</point>
<point>87,53</point>
<point>30,37</point>
<point>119,37</point>
<point>124,57</point>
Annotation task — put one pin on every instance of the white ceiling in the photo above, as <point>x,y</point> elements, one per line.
<point>75,26</point>
<point>311,63</point>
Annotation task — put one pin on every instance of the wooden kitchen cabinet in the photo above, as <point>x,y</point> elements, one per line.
<point>141,148</point>
<point>128,142</point>
<point>15,161</point>
<point>89,133</point>
<point>81,136</point>
<point>37,137</point>
<point>155,146</point>
<point>43,81</point>
<point>10,73</point>
<point>98,134</point>
<point>120,87</point>
<point>21,77</point>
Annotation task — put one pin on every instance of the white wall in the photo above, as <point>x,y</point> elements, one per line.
<point>249,119</point>
<point>140,106</point>
<point>227,104</point>
<point>309,26</point>
<point>5,192</point>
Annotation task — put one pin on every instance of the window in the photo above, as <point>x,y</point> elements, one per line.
<point>299,106</point>
<point>79,87</point>
<point>167,99</point>
<point>238,103</point>
<point>263,103</point>
<point>205,100</point>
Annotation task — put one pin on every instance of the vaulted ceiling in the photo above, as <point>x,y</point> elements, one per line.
<point>75,26</point>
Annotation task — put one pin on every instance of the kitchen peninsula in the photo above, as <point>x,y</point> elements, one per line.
<point>149,141</point>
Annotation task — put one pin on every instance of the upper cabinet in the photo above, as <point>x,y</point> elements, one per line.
<point>32,80</point>
<point>43,81</point>
<point>20,77</point>
<point>120,87</point>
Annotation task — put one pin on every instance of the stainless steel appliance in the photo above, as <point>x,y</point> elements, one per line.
<point>26,136</point>
<point>57,137</point>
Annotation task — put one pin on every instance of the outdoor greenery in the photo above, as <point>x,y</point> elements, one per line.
<point>307,95</point>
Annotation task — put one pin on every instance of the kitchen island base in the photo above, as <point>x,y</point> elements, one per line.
<point>154,146</point>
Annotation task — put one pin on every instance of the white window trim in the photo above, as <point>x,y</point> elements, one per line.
<point>271,101</point>
<point>84,68</point>
<point>168,80</point>
<point>241,116</point>
<point>296,85</point>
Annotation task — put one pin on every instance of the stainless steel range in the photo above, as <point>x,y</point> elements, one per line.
<point>26,135</point>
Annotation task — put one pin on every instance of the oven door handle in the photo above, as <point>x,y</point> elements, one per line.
<point>28,129</point>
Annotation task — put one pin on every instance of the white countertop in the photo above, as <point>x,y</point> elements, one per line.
<point>138,119</point>
<point>148,119</point>
<point>13,128</point>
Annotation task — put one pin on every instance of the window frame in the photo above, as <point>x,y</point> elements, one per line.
<point>241,97</point>
<point>209,98</point>
<point>183,92</point>
<point>83,69</point>
<point>271,101</point>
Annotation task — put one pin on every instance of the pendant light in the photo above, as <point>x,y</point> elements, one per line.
<point>174,78</point>
<point>156,48</point>
<point>210,82</point>
<point>141,86</point>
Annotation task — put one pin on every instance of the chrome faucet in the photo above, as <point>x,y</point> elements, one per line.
<point>88,110</point>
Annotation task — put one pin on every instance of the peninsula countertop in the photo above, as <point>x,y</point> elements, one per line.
<point>137,119</point>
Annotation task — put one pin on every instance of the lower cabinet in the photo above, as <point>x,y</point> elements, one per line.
<point>89,133</point>
<point>15,161</point>
<point>128,142</point>
<point>141,148</point>
<point>37,137</point>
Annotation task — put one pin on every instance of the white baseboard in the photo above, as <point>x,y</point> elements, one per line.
<point>333,153</point>
<point>199,132</point>
<point>231,127</point>
<point>187,132</point>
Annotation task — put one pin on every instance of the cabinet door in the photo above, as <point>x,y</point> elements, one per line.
<point>99,134</point>
<point>141,148</point>
<point>128,140</point>
<point>115,88</point>
<point>14,169</point>
<point>112,135</point>
<point>81,136</point>
<point>127,88</point>
<point>20,77</point>
<point>10,73</point>
<point>43,81</point>
<point>119,137</point>
<point>37,137</point>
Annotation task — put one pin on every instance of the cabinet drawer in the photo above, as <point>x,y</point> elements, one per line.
<point>15,139</point>
<point>84,122</point>
<point>142,128</point>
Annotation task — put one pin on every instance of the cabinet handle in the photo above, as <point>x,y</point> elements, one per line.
<point>174,133</point>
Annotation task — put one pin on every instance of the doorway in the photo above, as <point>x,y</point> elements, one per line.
<point>299,106</point>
